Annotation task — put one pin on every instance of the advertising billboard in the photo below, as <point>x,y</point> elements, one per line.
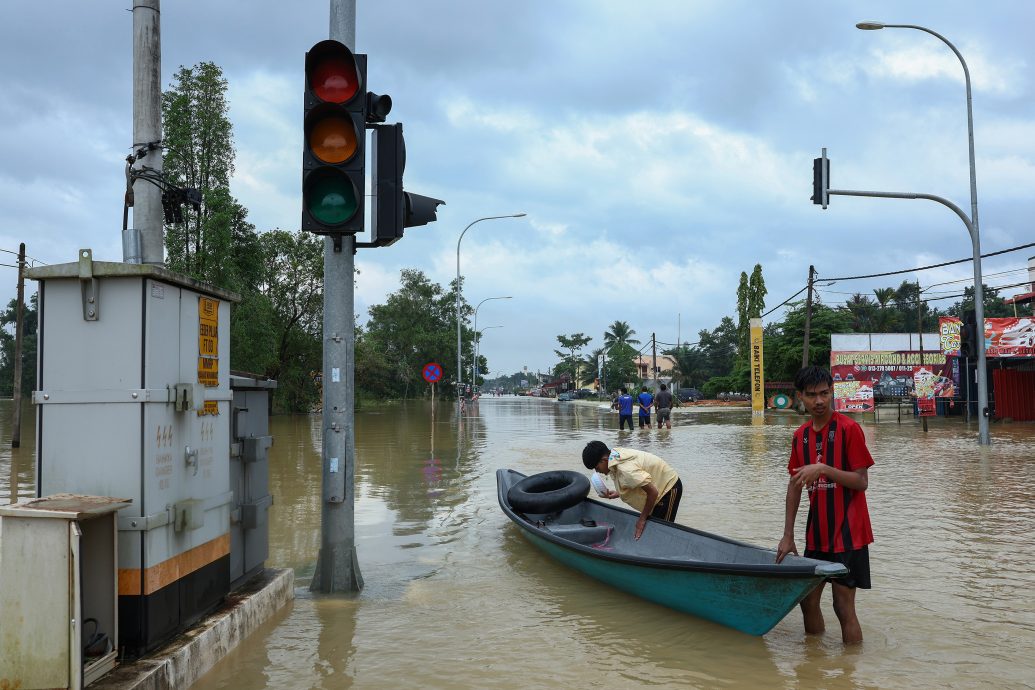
<point>1004,337</point>
<point>861,378</point>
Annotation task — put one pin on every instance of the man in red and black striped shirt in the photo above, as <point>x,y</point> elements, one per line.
<point>829,458</point>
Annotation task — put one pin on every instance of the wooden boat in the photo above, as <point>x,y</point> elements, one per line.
<point>725,581</point>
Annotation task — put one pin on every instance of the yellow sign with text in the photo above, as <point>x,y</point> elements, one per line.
<point>208,342</point>
<point>757,374</point>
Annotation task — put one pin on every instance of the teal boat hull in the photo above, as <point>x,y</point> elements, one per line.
<point>728,582</point>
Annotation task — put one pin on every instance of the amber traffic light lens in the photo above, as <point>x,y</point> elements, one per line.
<point>333,139</point>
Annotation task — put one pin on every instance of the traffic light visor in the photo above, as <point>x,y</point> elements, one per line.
<point>330,197</point>
<point>332,72</point>
<point>331,136</point>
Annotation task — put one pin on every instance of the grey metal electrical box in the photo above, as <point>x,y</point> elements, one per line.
<point>58,589</point>
<point>133,400</point>
<point>249,475</point>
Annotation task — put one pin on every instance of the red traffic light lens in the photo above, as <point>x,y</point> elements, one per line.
<point>332,138</point>
<point>330,198</point>
<point>334,78</point>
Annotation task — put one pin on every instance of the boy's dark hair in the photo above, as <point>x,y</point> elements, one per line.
<point>593,453</point>
<point>624,390</point>
<point>663,387</point>
<point>643,388</point>
<point>811,376</point>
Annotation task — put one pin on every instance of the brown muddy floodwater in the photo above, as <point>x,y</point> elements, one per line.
<point>456,598</point>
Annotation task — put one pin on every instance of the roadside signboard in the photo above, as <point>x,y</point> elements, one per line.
<point>859,377</point>
<point>1004,337</point>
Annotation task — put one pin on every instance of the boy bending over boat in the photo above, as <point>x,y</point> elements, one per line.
<point>829,458</point>
<point>644,481</point>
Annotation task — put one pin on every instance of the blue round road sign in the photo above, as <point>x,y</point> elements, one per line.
<point>432,372</point>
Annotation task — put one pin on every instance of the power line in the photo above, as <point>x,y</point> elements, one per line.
<point>785,301</point>
<point>924,268</point>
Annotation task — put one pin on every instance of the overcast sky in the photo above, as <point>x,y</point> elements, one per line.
<point>658,148</point>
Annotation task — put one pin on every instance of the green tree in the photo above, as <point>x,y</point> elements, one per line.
<point>199,154</point>
<point>886,318</point>
<point>571,363</point>
<point>620,332</point>
<point>415,325</point>
<point>784,340</point>
<point>8,321</point>
<point>994,304</point>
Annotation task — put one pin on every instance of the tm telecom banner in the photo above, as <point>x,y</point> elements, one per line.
<point>861,376</point>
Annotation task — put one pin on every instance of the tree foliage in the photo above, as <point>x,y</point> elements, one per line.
<point>8,321</point>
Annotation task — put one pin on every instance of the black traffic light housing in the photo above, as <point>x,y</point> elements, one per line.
<point>394,209</point>
<point>821,180</point>
<point>968,334</point>
<point>334,144</point>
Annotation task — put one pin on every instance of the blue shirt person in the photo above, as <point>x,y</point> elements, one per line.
<point>625,409</point>
<point>646,400</point>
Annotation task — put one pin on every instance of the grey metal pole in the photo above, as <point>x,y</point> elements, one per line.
<point>148,232</point>
<point>459,359</point>
<point>920,333</point>
<point>19,332</point>
<point>474,371</point>
<point>984,437</point>
<point>808,319</point>
<point>337,567</point>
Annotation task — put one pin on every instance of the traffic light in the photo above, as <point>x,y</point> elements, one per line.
<point>394,209</point>
<point>821,180</point>
<point>968,334</point>
<point>333,152</point>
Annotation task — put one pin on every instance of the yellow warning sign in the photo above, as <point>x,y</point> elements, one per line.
<point>208,343</point>
<point>211,408</point>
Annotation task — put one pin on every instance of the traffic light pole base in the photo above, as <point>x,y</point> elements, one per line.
<point>337,573</point>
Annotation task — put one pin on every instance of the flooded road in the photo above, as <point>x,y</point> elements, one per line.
<point>456,598</point>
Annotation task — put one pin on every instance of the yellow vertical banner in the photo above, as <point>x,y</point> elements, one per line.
<point>208,342</point>
<point>757,374</point>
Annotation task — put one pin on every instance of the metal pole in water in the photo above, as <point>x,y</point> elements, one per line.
<point>337,567</point>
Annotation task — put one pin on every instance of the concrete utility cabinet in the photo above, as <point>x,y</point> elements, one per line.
<point>133,399</point>
<point>249,476</point>
<point>58,571</point>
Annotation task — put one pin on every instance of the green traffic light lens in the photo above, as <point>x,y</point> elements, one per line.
<point>331,199</point>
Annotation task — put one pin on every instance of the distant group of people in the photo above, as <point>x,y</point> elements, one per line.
<point>829,460</point>
<point>662,404</point>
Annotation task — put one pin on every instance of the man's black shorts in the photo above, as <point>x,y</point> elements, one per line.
<point>857,562</point>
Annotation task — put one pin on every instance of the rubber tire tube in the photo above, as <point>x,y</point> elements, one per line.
<point>548,492</point>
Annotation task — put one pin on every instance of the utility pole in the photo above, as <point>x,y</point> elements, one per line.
<point>16,433</point>
<point>337,567</point>
<point>654,358</point>
<point>808,319</point>
<point>145,241</point>
<point>920,332</point>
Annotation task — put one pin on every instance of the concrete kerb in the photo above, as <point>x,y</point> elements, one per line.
<point>184,660</point>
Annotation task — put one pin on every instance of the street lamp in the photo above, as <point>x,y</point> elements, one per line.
<point>474,378</point>
<point>975,235</point>
<point>459,364</point>
<point>477,350</point>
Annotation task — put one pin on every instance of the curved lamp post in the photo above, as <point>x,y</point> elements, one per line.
<point>975,235</point>
<point>459,364</point>
<point>474,377</point>
<point>477,350</point>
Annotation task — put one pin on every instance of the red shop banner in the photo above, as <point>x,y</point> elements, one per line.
<point>1004,337</point>
<point>860,378</point>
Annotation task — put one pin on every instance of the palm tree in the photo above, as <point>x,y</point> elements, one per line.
<point>884,317</point>
<point>620,332</point>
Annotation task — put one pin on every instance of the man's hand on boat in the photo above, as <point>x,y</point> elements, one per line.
<point>640,525</point>
<point>786,546</point>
